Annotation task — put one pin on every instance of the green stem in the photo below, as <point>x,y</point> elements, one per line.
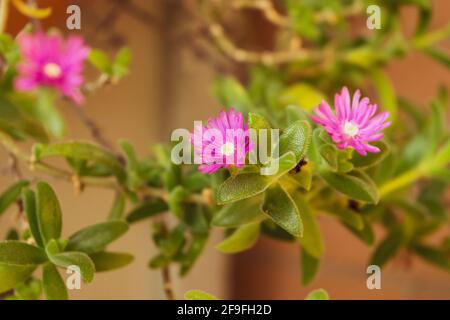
<point>401,181</point>
<point>4,10</point>
<point>431,38</point>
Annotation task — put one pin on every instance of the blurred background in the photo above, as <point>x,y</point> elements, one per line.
<point>169,87</point>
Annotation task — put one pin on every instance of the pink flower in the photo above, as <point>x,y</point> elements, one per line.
<point>353,125</point>
<point>48,60</point>
<point>222,143</point>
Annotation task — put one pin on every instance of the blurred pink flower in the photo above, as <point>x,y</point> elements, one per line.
<point>353,125</point>
<point>49,60</point>
<point>222,143</point>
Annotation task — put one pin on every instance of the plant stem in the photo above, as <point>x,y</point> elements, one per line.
<point>401,181</point>
<point>167,282</point>
<point>95,131</point>
<point>4,10</point>
<point>165,271</point>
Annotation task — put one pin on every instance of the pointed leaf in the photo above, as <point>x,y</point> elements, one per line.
<point>96,237</point>
<point>311,240</point>
<point>388,247</point>
<point>296,138</point>
<point>247,185</point>
<point>79,259</point>
<point>280,207</point>
<point>106,261</point>
<point>10,195</point>
<point>310,266</point>
<point>48,212</point>
<point>242,239</point>
<point>355,184</point>
<point>18,253</point>
<point>239,213</point>
<point>81,150</point>
<point>146,210</point>
<point>29,204</point>
<point>53,285</point>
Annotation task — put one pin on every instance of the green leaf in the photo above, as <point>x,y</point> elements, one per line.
<point>176,200</point>
<point>79,259</point>
<point>196,182</point>
<point>304,178</point>
<point>106,261</point>
<point>12,275</point>
<point>198,295</point>
<point>386,92</point>
<point>242,239</point>
<point>355,184</point>
<point>280,207</point>
<point>118,207</point>
<point>272,230</point>
<point>347,216</point>
<point>53,285</point>
<point>29,204</point>
<point>95,238</point>
<point>247,185</point>
<point>366,234</point>
<point>371,159</point>
<point>100,60</point>
<point>239,213</point>
<point>54,247</point>
<point>439,258</point>
<point>17,253</point>
<point>303,95</point>
<point>311,240</point>
<point>48,212</point>
<point>295,113</point>
<point>10,195</point>
<point>45,110</point>
<point>296,138</point>
<point>232,94</point>
<point>438,55</point>
<point>194,250</point>
<point>257,122</point>
<point>435,127</point>
<point>146,210</point>
<point>83,151</point>
<point>310,266</point>
<point>16,123</point>
<point>121,63</point>
<point>29,290</point>
<point>318,294</point>
<point>388,247</point>
<point>241,187</point>
<point>169,243</point>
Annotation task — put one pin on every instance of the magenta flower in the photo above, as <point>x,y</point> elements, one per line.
<point>48,60</point>
<point>353,125</point>
<point>222,143</point>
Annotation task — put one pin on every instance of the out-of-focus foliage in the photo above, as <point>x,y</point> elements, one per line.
<point>400,189</point>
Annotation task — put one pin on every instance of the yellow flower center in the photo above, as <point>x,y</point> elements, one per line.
<point>350,129</point>
<point>227,149</point>
<point>52,70</point>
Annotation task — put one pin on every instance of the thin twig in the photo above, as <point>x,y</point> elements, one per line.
<point>165,271</point>
<point>95,131</point>
<point>14,166</point>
